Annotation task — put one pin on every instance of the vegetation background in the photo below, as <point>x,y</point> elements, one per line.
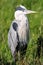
<point>34,52</point>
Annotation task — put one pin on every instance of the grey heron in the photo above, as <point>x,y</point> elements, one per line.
<point>18,34</point>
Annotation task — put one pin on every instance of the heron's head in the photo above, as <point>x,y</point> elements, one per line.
<point>21,10</point>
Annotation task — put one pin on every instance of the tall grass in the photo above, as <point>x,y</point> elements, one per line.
<point>7,9</point>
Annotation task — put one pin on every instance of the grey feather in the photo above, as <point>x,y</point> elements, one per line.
<point>22,31</point>
<point>12,39</point>
<point>14,25</point>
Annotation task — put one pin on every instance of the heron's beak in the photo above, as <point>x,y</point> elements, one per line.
<point>29,12</point>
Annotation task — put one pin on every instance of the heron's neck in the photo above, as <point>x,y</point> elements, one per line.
<point>21,17</point>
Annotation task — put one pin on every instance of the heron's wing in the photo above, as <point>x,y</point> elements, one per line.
<point>12,37</point>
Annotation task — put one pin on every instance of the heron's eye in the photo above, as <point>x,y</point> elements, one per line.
<point>15,26</point>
